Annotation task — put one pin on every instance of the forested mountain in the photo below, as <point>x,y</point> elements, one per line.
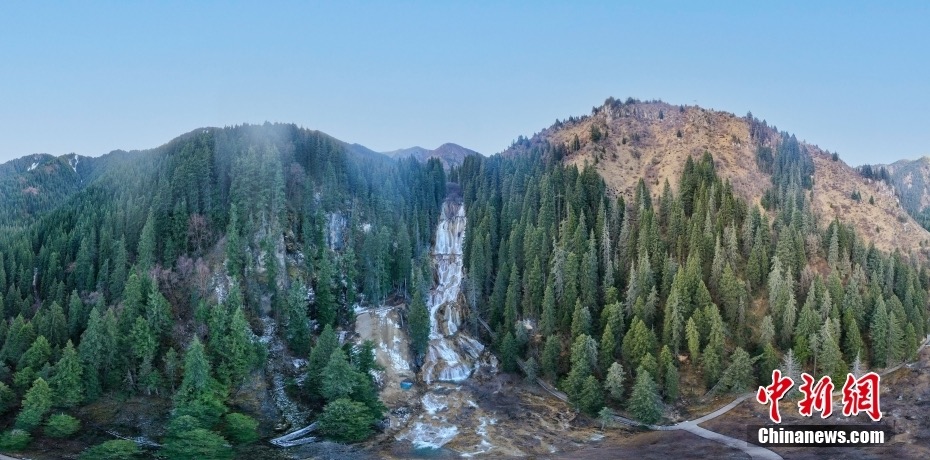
<point>166,274</point>
<point>633,265</point>
<point>697,284</point>
<point>626,141</point>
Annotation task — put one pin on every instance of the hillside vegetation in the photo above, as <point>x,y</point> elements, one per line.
<point>628,141</point>
<point>172,273</point>
<point>636,258</point>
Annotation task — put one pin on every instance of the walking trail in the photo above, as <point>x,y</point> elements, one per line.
<point>756,452</point>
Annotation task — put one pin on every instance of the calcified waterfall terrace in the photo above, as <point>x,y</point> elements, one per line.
<point>452,355</point>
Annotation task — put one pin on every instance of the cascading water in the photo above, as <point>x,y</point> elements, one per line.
<point>452,354</point>
<point>456,408</point>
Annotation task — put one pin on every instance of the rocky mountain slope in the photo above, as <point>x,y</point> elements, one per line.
<point>626,141</point>
<point>911,180</point>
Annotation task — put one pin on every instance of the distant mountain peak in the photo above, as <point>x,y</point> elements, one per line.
<point>450,154</point>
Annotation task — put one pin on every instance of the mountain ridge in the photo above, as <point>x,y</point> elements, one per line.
<point>626,141</point>
<point>239,244</point>
<point>450,154</point>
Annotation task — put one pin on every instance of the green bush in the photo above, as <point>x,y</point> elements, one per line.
<point>241,428</point>
<point>14,439</point>
<point>344,420</point>
<point>62,426</point>
<point>117,449</point>
<point>197,444</point>
<point>183,424</point>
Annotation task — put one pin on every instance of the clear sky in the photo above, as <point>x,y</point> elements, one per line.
<point>90,77</point>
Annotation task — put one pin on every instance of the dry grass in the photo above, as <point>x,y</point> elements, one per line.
<point>640,144</point>
<point>885,223</point>
<point>653,151</point>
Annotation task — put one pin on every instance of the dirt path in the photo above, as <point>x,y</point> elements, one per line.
<point>691,426</point>
<point>753,450</point>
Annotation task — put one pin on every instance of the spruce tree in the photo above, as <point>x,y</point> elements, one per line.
<point>298,326</point>
<point>326,343</point>
<point>666,360</point>
<point>738,375</point>
<point>37,403</point>
<point>90,351</point>
<point>673,330</point>
<point>608,347</point>
<point>509,351</point>
<point>766,330</point>
<point>792,369</point>
<point>234,245</point>
<point>77,317</point>
<point>38,354</point>
<point>419,317</point>
<point>238,353</point>
<point>880,332</point>
<point>583,361</point>
<point>325,295</point>
<point>339,377</point>
<point>344,420</point>
<point>158,313</point>
<point>694,340</point>
<point>614,381</point>
<point>199,395</point>
<point>56,326</point>
<point>644,402</point>
<point>591,399</point>
<point>638,341</point>
<point>548,322</point>
<point>533,294</point>
<point>550,357</point>
<point>671,384</point>
<point>67,383</point>
<point>896,339</point>
<point>831,358</point>
<point>146,256</point>
<point>581,320</point>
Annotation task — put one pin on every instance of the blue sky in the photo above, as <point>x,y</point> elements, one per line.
<point>91,77</point>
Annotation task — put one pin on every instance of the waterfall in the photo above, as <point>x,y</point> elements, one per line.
<point>452,354</point>
<point>449,413</point>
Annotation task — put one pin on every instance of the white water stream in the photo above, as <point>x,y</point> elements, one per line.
<point>452,354</point>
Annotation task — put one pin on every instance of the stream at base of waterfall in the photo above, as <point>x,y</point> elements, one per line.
<point>461,406</point>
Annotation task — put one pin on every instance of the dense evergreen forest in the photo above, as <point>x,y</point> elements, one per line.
<point>165,274</point>
<point>623,304</point>
<point>160,276</point>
